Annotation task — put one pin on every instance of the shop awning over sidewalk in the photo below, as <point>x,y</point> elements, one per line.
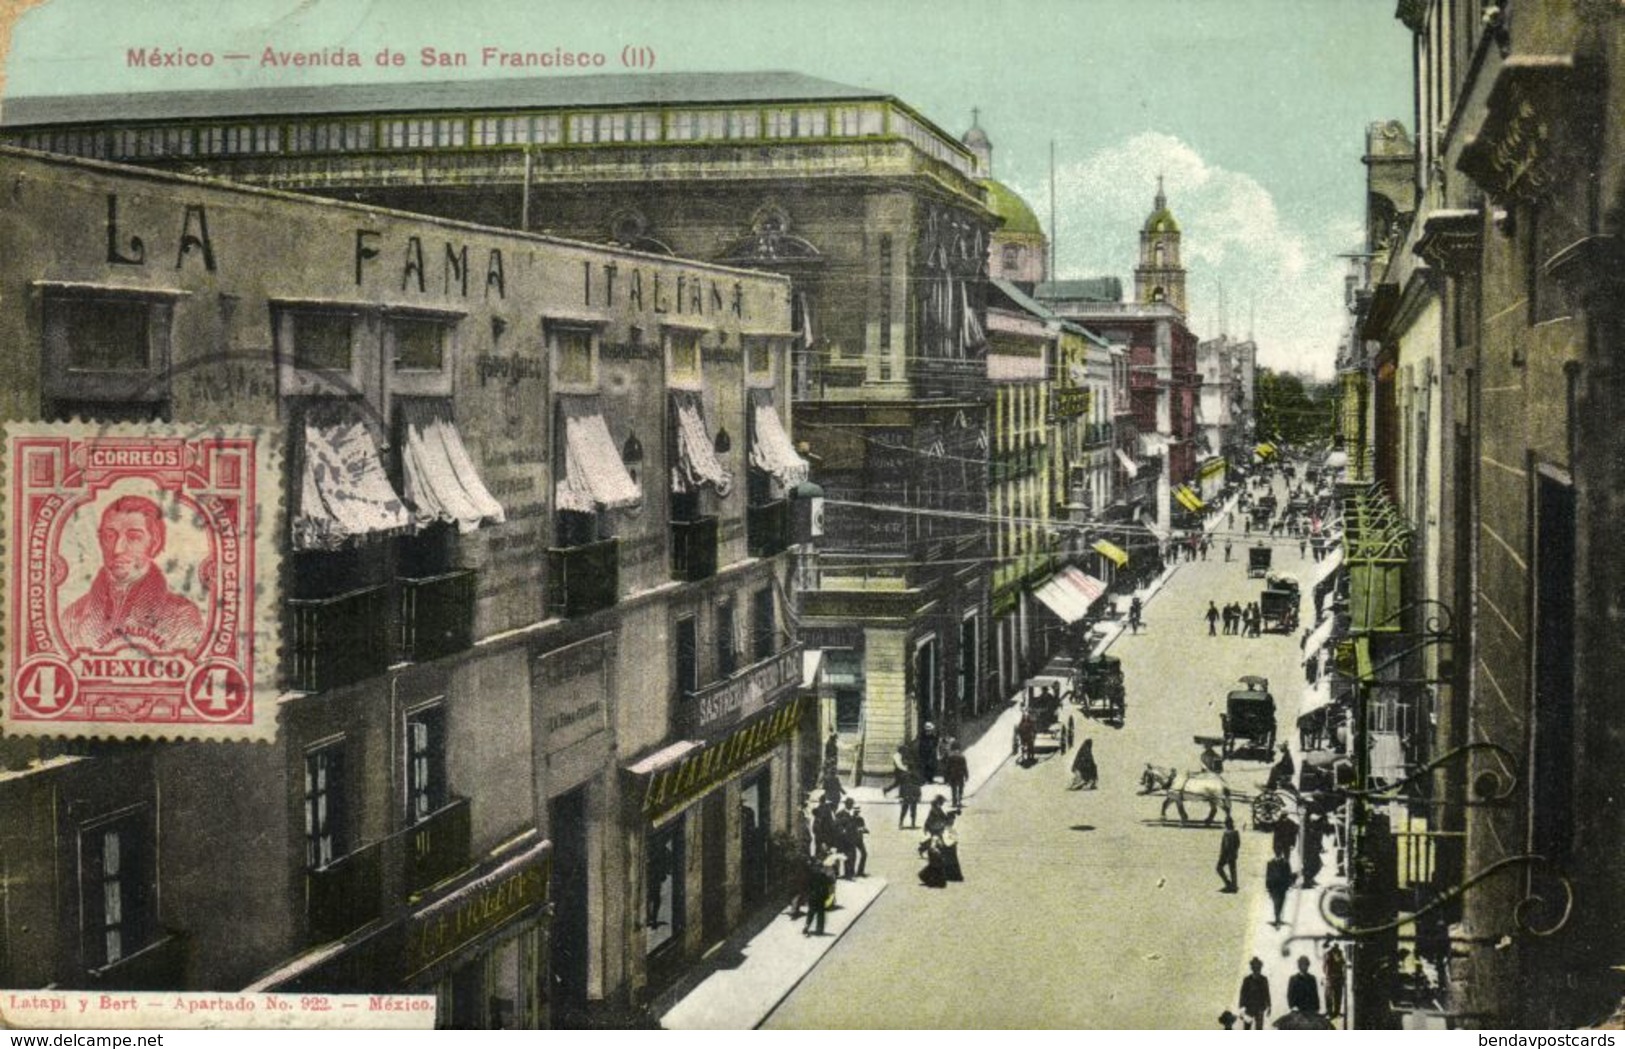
<point>1111,552</point>
<point>1061,599</point>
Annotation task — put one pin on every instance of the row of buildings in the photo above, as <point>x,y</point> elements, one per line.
<point>636,431</point>
<point>1480,398</point>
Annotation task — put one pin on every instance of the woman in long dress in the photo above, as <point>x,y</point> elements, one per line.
<point>1085,775</point>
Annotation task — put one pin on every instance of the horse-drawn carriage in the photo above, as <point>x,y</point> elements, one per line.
<point>1208,786</point>
<point>1258,561</point>
<point>1278,604</point>
<point>1248,720</point>
<point>1099,689</point>
<point>1041,726</point>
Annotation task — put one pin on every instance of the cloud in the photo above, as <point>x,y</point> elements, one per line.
<point>1234,236</point>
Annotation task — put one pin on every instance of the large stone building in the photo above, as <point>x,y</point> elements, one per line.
<point>1492,392</point>
<point>538,734</point>
<point>877,215</point>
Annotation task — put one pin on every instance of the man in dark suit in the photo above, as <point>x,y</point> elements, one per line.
<point>1255,996</point>
<point>1302,993</point>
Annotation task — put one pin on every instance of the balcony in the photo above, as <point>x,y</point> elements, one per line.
<point>767,528</point>
<point>746,692</point>
<point>344,895</point>
<point>583,579</point>
<point>338,640</point>
<point>160,965</point>
<point>437,615</point>
<point>438,847</point>
<point>694,549</point>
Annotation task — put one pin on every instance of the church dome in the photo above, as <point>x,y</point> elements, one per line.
<point>1161,221</point>
<point>975,137</point>
<point>1008,205</point>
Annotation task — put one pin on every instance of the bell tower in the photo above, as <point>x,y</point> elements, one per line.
<point>1160,277</point>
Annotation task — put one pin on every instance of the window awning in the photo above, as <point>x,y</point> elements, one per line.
<point>593,476</point>
<point>1110,551</point>
<point>1083,584</point>
<point>1316,698</point>
<point>1062,599</point>
<point>1130,467</point>
<point>442,483</point>
<point>1189,499</point>
<point>771,448</point>
<point>1265,450</point>
<point>1153,444</point>
<point>696,463</point>
<point>973,337</point>
<point>1321,635</point>
<point>344,493</point>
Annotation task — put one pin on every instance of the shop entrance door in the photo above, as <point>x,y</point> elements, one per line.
<point>754,824</point>
<point>714,873</point>
<point>567,819</point>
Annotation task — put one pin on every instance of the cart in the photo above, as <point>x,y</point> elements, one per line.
<point>1248,720</point>
<point>1258,561</point>
<point>1100,691</point>
<point>1041,705</point>
<point>1278,604</point>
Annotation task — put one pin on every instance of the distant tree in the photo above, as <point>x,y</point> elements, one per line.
<point>1291,409</point>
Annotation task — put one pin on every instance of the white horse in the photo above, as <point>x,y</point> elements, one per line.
<point>1197,786</point>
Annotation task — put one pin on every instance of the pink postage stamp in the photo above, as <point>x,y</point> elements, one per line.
<point>141,572</point>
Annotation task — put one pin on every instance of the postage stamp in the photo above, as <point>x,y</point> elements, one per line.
<point>141,578</point>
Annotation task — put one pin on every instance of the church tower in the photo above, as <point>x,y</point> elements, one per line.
<point>1159,277</point>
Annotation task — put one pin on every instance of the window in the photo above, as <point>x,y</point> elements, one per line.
<point>684,361</point>
<point>885,307</point>
<point>106,348</point>
<point>326,829</point>
<point>103,334</point>
<point>663,886</point>
<point>758,358</point>
<point>744,123</point>
<point>727,643</point>
<point>420,345</point>
<point>323,341</point>
<point>812,123</point>
<point>683,126</point>
<point>117,887</point>
<point>573,357</point>
<point>688,651</point>
<point>549,130</point>
<point>425,763</point>
<point>843,670</point>
<point>780,123</point>
<point>1012,257</point>
<point>763,628</point>
<point>451,133</point>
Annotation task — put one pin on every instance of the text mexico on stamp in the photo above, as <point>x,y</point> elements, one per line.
<point>141,571</point>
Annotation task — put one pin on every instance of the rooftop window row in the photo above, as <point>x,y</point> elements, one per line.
<point>755,123</point>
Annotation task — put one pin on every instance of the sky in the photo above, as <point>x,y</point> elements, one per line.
<point>1253,110</point>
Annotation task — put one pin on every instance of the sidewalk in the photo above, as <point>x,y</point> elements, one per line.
<point>746,978</point>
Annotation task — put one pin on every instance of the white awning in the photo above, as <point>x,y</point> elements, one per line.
<point>697,463</point>
<point>1150,525</point>
<point>771,448</point>
<point>1153,444</point>
<point>442,483</point>
<point>1328,564</point>
<point>593,475</point>
<point>1083,584</point>
<point>344,493</point>
<point>1318,638</point>
<point>1061,599</point>
<point>812,664</point>
<point>1130,467</point>
<point>1316,697</point>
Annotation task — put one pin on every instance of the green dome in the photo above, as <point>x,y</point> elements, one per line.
<point>1008,205</point>
<point>1161,221</point>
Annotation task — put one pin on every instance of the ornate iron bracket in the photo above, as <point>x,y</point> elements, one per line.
<point>1490,788</point>
<point>1521,911</point>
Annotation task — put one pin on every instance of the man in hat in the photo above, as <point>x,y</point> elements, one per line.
<point>1302,993</point>
<point>928,753</point>
<point>1255,996</point>
<point>852,828</point>
<point>908,799</point>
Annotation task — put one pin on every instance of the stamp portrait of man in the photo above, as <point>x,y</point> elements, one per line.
<point>130,602</point>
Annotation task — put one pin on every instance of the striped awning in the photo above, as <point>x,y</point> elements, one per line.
<point>1265,450</point>
<point>1082,583</point>
<point>442,482</point>
<point>1070,593</point>
<point>1189,499</point>
<point>1111,552</point>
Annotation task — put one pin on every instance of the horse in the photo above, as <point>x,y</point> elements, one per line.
<point>1197,786</point>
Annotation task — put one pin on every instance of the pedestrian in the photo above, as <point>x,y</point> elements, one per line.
<point>1227,542</point>
<point>825,832</point>
<point>899,769</point>
<point>949,843</point>
<point>819,887</point>
<point>955,771</point>
<point>1285,837</point>
<point>1257,619</point>
<point>1204,548</point>
<point>1277,880</point>
<point>1229,853</point>
<point>1334,967</point>
<point>853,829</point>
<point>1134,611</point>
<point>1212,617</point>
<point>1085,774</point>
<point>1315,829</point>
<point>1302,995</point>
<point>934,874</point>
<point>936,819</point>
<point>1302,548</point>
<point>1026,737</point>
<point>1229,618</point>
<point>1283,772</point>
<point>832,748</point>
<point>831,780</point>
<point>1254,999</point>
<point>908,799</point>
<point>928,753</point>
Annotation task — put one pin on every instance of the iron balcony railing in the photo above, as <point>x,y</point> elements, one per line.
<point>694,549</point>
<point>437,615</point>
<point>338,640</point>
<point>346,894</point>
<point>583,579</point>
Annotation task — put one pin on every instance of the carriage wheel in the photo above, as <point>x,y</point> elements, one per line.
<point>1268,808</point>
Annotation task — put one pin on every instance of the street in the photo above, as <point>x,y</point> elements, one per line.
<point>1082,909</point>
